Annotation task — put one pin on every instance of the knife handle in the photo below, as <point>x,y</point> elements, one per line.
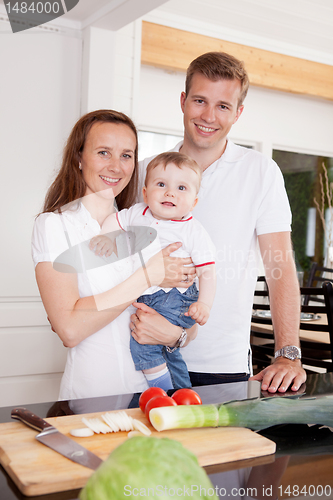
<point>30,419</point>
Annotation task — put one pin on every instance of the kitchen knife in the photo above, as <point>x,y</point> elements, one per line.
<point>52,438</point>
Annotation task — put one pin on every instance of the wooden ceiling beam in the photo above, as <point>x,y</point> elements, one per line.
<point>174,49</point>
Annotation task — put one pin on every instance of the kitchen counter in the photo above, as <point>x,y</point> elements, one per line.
<point>302,465</point>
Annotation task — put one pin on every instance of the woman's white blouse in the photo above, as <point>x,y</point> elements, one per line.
<point>100,365</point>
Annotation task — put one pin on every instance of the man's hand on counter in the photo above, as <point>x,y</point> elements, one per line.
<point>281,375</point>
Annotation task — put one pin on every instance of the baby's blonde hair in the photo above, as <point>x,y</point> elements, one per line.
<point>178,159</point>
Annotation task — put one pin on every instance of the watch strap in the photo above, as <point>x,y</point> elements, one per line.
<point>180,342</point>
<point>290,352</point>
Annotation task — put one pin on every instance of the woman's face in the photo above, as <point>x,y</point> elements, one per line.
<point>108,157</point>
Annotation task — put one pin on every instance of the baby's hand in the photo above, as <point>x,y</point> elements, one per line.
<point>102,245</point>
<point>199,312</point>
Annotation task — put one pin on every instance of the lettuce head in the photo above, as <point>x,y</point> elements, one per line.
<point>149,467</point>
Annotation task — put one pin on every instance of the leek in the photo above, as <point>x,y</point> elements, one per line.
<point>256,414</point>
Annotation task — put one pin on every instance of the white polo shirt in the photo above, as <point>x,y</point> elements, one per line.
<point>101,364</point>
<point>196,243</point>
<point>242,195</point>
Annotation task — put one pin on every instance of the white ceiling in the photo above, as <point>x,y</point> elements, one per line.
<point>216,11</point>
<point>111,14</point>
<point>304,23</point>
<point>108,14</point>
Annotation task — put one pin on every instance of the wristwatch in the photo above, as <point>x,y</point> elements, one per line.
<point>290,351</point>
<point>180,342</point>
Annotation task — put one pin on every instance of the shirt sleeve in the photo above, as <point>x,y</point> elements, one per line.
<point>122,218</point>
<point>48,238</point>
<point>203,251</point>
<point>274,214</point>
<point>129,216</point>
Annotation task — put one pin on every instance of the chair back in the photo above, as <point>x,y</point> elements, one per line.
<point>317,276</point>
<point>317,317</point>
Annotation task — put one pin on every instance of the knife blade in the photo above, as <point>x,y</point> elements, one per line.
<point>54,439</point>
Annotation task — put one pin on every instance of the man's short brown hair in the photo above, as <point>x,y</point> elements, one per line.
<point>179,159</point>
<point>219,66</point>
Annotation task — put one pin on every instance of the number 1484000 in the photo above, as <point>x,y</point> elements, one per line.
<point>311,491</point>
<point>34,7</point>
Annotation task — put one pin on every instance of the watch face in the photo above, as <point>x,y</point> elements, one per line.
<point>291,352</point>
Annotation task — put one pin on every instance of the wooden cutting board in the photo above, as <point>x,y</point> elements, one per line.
<point>38,470</point>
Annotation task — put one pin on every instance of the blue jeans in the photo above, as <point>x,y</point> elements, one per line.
<point>172,305</point>
<point>147,356</point>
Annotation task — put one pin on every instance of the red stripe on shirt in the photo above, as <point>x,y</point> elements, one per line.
<point>121,227</point>
<point>172,220</point>
<point>181,220</point>
<point>206,264</point>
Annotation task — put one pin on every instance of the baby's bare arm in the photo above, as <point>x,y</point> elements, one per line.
<point>200,310</point>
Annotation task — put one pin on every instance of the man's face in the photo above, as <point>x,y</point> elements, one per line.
<point>210,109</point>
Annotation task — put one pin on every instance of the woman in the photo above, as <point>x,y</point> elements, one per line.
<point>84,307</point>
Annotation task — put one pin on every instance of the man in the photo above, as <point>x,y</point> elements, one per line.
<point>242,202</point>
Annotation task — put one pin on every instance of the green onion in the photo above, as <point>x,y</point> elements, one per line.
<point>255,414</point>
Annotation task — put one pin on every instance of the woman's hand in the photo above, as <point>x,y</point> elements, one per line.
<point>149,327</point>
<point>179,272</point>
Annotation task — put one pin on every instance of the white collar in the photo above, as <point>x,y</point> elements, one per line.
<point>147,213</point>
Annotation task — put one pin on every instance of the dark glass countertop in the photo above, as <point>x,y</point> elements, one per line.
<point>302,465</point>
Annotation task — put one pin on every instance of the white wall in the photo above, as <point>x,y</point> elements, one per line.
<point>270,120</point>
<point>111,68</point>
<point>40,101</point>
<point>48,81</point>
<point>292,122</point>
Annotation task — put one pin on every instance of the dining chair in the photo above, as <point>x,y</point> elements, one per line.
<point>314,319</point>
<point>317,276</point>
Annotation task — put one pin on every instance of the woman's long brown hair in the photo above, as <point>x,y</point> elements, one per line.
<point>69,184</point>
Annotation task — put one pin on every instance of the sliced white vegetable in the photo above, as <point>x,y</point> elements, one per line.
<point>96,425</point>
<point>118,421</point>
<point>114,422</point>
<point>127,421</point>
<point>84,432</point>
<point>110,422</point>
<point>104,428</point>
<point>134,433</point>
<point>123,423</point>
<point>91,424</point>
<point>139,426</point>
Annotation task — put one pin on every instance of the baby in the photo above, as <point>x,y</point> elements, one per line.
<point>170,193</point>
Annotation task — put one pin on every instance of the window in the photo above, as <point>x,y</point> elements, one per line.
<point>301,174</point>
<point>151,143</point>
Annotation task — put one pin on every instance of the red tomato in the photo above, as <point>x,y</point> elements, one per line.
<point>186,397</point>
<point>158,401</point>
<point>148,394</point>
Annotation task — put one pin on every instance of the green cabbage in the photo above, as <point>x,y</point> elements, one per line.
<point>149,467</point>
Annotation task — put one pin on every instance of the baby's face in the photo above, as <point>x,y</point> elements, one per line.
<point>171,192</point>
